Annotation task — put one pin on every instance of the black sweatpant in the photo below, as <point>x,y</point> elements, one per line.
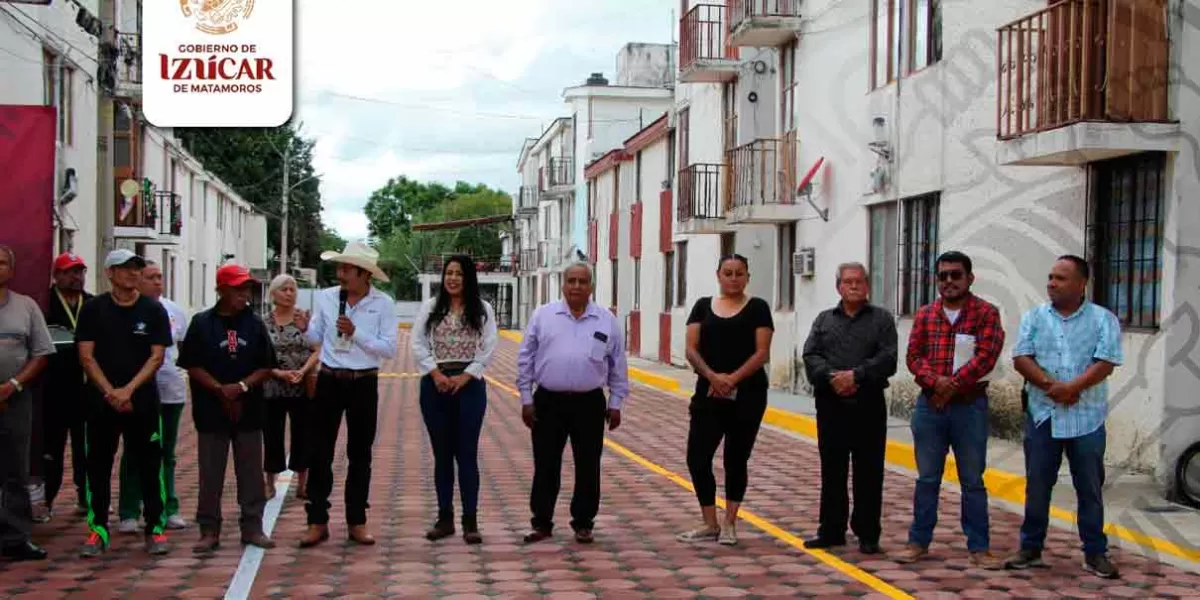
<point>298,410</point>
<point>737,422</point>
<point>358,400</point>
<point>579,418</point>
<point>62,416</point>
<point>141,433</point>
<point>851,429</point>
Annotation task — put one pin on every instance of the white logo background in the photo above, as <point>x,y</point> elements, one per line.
<point>269,28</point>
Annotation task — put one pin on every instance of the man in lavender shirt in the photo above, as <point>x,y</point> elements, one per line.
<point>571,350</point>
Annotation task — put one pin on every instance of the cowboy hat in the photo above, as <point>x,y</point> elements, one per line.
<point>359,255</point>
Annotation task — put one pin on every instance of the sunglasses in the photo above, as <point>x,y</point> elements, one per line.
<point>950,275</point>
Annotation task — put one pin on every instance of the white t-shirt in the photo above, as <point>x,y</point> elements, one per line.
<point>172,386</point>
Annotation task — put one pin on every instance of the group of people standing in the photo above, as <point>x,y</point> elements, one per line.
<point>118,377</point>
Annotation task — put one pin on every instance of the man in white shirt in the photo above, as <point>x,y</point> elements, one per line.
<point>172,394</point>
<point>357,328</point>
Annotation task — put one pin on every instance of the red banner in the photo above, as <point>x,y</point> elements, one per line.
<point>27,194</point>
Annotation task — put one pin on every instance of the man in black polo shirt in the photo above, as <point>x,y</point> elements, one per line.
<point>122,338</point>
<point>850,353</point>
<point>228,355</point>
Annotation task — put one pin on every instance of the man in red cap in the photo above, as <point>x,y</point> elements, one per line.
<point>62,397</point>
<point>228,355</point>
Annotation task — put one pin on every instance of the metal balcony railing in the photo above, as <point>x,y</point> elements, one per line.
<point>703,32</point>
<point>1082,60</point>
<point>742,10</point>
<point>527,198</point>
<point>700,192</point>
<point>763,172</point>
<point>158,210</point>
<point>492,264</point>
<point>528,260</point>
<point>562,171</point>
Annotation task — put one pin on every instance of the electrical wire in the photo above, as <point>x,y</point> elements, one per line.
<point>8,8</point>
<point>461,112</point>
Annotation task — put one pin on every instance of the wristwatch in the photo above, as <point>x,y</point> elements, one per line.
<point>245,388</point>
<point>16,384</point>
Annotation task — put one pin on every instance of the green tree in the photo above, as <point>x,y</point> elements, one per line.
<point>392,206</point>
<point>251,161</point>
<point>326,271</point>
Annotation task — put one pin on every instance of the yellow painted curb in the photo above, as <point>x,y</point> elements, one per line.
<point>765,525</point>
<point>1000,484</point>
<point>651,379</point>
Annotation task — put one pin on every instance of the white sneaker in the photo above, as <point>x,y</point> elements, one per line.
<point>176,522</point>
<point>127,526</point>
<point>728,536</point>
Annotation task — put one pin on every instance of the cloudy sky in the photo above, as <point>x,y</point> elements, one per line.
<point>446,90</point>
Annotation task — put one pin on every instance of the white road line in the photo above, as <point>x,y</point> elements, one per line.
<point>243,579</point>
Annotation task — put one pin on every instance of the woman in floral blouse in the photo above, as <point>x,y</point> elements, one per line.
<point>289,393</point>
<point>453,337</point>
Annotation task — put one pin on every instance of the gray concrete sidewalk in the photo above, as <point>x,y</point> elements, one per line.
<point>1134,503</point>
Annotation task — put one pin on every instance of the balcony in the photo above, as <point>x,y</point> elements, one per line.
<point>550,254</point>
<point>527,200</point>
<point>561,177</point>
<point>762,182</point>
<point>763,23</point>
<point>501,264</point>
<point>704,53</point>
<point>128,65</point>
<point>1082,81</point>
<point>702,199</point>
<point>528,262</point>
<point>152,217</point>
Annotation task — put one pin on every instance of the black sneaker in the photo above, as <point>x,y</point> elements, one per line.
<point>1026,559</point>
<point>156,544</point>
<point>93,547</point>
<point>1100,566</point>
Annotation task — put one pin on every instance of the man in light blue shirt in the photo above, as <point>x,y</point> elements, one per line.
<point>1066,350</point>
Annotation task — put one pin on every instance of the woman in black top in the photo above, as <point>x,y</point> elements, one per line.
<point>728,342</point>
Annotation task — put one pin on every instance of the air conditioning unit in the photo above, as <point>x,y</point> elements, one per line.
<point>804,262</point>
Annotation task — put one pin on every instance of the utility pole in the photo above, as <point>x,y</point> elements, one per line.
<point>105,188</point>
<point>283,227</point>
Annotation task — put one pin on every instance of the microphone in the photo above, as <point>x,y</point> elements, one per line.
<point>342,295</point>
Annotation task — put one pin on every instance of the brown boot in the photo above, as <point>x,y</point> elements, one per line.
<point>259,539</point>
<point>209,542</point>
<point>314,535</point>
<point>986,560</point>
<point>910,554</point>
<point>360,535</point>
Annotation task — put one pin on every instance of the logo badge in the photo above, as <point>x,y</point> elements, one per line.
<point>218,63</point>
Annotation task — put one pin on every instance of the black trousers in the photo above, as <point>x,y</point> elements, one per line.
<point>579,418</point>
<point>16,516</point>
<point>141,433</point>
<point>848,430</point>
<point>358,400</point>
<point>62,416</point>
<point>279,411</point>
<point>737,422</point>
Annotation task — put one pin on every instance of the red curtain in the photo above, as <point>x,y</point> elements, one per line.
<point>27,194</point>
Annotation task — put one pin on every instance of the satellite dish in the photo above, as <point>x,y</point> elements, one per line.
<point>130,188</point>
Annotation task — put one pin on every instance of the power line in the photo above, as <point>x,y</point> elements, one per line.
<point>7,10</point>
<point>484,114</point>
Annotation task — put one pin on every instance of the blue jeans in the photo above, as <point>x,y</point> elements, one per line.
<point>454,422</point>
<point>963,427</point>
<point>1043,457</point>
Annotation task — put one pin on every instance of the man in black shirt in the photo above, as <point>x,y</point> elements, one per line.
<point>228,354</point>
<point>848,357</point>
<point>63,387</point>
<point>122,337</point>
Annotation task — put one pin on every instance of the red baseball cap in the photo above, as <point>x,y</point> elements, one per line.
<point>233,276</point>
<point>67,261</point>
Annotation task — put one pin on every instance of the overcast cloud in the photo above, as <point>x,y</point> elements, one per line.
<point>446,91</point>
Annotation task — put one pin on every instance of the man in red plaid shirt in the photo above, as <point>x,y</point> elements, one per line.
<point>952,410</point>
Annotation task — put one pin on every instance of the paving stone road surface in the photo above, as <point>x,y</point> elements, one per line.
<point>645,503</point>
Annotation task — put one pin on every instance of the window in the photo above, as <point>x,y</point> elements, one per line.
<point>883,261</point>
<point>615,279</point>
<point>918,251</point>
<point>1125,230</point>
<point>684,127</point>
<point>671,156</point>
<point>204,199</point>
<point>172,284</point>
<point>681,274</point>
<point>66,107</point>
<point>49,77</point>
<point>729,110</point>
<point>193,299</point>
<point>787,100</point>
<point>786,299</point>
<point>728,244</point>
<point>192,195</point>
<point>668,281</point>
<point>220,211</point>
<point>637,284</point>
<point>926,38</point>
<point>204,285</point>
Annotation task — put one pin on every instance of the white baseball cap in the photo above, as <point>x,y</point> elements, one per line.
<point>121,257</point>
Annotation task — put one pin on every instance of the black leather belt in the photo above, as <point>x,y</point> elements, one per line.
<point>587,393</point>
<point>348,374</point>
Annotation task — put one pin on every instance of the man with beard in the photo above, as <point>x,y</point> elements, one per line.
<point>63,387</point>
<point>228,354</point>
